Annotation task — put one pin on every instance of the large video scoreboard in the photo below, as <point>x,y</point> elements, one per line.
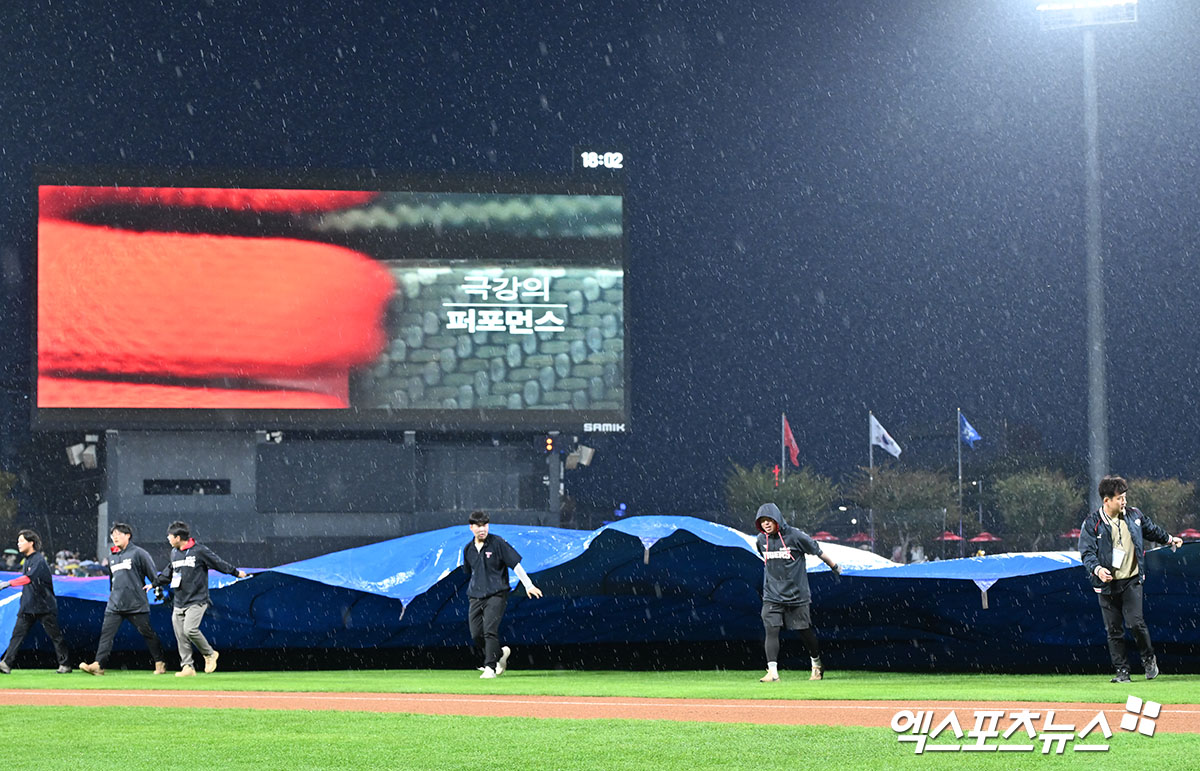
<point>335,301</point>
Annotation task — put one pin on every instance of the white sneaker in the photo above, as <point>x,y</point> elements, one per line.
<point>502,664</point>
<point>770,677</point>
<point>488,674</point>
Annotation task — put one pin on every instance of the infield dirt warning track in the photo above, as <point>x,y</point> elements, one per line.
<point>1176,718</point>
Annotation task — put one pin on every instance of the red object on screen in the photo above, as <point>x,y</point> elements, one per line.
<point>164,319</point>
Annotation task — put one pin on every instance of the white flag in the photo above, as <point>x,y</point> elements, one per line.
<point>881,437</point>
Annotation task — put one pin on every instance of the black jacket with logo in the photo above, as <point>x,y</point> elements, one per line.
<point>488,567</point>
<point>187,573</point>
<point>129,570</point>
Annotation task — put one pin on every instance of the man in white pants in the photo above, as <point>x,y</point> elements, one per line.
<point>187,575</point>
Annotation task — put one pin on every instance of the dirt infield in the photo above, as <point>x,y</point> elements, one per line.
<point>1176,718</point>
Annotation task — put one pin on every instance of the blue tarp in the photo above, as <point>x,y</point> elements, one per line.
<point>656,582</point>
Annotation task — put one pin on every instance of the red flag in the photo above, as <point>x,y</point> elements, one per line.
<point>789,441</point>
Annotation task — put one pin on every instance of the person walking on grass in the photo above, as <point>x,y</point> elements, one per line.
<point>1112,549</point>
<point>187,575</point>
<point>130,568</point>
<point>486,561</point>
<point>37,603</point>
<point>786,599</point>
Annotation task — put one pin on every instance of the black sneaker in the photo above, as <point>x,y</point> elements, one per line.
<point>1151,668</point>
<point>1122,676</point>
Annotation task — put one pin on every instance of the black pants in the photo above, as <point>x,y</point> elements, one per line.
<point>483,618</point>
<point>1120,609</point>
<point>140,621</point>
<point>808,639</point>
<point>775,616</point>
<point>25,622</point>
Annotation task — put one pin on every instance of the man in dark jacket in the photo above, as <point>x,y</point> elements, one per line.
<point>787,600</point>
<point>486,560</point>
<point>37,603</point>
<point>187,575</point>
<point>1112,548</point>
<point>130,568</point>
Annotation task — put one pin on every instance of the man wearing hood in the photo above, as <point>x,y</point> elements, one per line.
<point>787,600</point>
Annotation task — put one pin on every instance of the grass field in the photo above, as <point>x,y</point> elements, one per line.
<point>722,684</point>
<point>154,738</point>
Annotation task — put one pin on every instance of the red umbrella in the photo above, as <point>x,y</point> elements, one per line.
<point>1191,534</point>
<point>948,536</point>
<point>1070,534</point>
<point>986,537</point>
<point>863,538</point>
<point>824,536</point>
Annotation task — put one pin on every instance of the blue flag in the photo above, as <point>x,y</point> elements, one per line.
<point>967,432</point>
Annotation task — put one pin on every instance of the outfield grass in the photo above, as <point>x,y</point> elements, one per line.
<point>133,738</point>
<point>1168,689</point>
<point>154,738</point>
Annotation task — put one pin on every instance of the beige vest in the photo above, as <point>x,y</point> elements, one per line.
<point>1121,539</point>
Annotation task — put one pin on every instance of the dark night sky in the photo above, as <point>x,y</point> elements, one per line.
<point>835,207</point>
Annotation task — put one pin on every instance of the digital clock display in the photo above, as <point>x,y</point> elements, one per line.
<point>594,159</point>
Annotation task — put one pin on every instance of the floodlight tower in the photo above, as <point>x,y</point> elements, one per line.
<point>1088,15</point>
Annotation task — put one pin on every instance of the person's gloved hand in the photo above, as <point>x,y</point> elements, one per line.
<point>156,318</point>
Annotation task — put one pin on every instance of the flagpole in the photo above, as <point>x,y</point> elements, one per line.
<point>958,443</point>
<point>870,481</point>
<point>782,442</point>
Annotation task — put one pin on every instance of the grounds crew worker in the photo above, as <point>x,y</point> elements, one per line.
<point>786,599</point>
<point>187,575</point>
<point>1112,549</point>
<point>37,603</point>
<point>130,567</point>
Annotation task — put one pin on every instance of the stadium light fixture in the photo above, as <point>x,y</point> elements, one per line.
<point>1088,15</point>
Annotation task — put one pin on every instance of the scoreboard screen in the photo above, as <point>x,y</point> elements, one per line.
<point>206,302</point>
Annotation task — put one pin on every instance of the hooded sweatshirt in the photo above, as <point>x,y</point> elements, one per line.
<point>785,579</point>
